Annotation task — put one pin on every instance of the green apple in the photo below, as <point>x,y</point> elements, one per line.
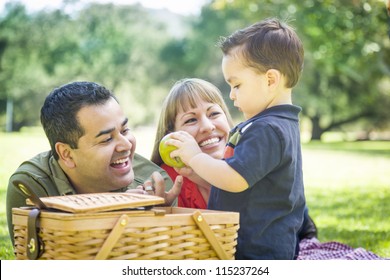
<point>165,151</point>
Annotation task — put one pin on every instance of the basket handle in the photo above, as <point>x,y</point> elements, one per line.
<point>113,237</point>
<point>117,231</point>
<point>29,192</point>
<point>209,234</point>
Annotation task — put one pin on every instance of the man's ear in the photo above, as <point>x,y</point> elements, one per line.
<point>273,77</point>
<point>64,152</point>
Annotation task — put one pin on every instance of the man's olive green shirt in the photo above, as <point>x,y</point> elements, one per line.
<point>44,175</point>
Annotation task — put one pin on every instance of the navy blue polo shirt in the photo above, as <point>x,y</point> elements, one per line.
<point>268,156</point>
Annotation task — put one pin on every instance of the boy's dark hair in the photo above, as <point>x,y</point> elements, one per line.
<point>59,111</point>
<point>268,44</point>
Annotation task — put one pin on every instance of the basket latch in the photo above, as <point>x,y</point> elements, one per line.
<point>34,243</point>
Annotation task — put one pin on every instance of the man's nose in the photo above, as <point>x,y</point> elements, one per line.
<point>124,143</point>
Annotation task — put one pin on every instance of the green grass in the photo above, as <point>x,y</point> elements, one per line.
<point>347,187</point>
<point>354,216</point>
<point>16,147</point>
<point>348,192</point>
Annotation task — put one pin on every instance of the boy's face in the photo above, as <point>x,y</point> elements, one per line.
<point>208,124</point>
<point>249,89</point>
<point>103,159</point>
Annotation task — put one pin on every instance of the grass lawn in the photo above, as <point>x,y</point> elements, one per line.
<point>347,187</point>
<point>348,192</point>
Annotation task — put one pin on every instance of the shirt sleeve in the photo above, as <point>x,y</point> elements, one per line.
<point>257,153</point>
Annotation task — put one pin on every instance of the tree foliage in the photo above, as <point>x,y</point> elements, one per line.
<point>139,54</point>
<point>116,46</point>
<point>347,55</point>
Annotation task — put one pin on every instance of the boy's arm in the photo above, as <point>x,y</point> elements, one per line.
<point>215,171</point>
<point>218,173</point>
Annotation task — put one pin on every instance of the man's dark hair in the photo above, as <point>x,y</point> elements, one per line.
<point>59,112</point>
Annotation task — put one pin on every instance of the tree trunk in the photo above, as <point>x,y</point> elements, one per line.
<point>9,115</point>
<point>316,130</point>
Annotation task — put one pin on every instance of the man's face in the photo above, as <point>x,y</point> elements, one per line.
<point>103,159</point>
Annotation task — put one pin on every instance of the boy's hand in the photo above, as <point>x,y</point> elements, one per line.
<point>187,147</point>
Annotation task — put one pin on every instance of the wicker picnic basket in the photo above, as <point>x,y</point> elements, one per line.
<point>115,226</point>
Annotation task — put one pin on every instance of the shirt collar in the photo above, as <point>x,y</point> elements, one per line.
<point>62,183</point>
<point>284,111</point>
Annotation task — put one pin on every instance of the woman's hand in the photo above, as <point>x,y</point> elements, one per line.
<point>189,173</point>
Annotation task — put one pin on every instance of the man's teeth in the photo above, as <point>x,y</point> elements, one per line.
<point>120,161</point>
<point>209,141</point>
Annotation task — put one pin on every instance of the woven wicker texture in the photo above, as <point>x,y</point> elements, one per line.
<point>80,203</point>
<point>145,235</point>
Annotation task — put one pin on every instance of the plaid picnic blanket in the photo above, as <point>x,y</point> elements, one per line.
<point>313,249</point>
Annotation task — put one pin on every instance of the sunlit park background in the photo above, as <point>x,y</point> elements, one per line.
<point>139,51</point>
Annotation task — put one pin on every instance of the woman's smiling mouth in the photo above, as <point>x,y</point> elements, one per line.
<point>209,141</point>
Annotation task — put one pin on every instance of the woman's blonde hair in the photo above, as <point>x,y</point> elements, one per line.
<point>184,95</point>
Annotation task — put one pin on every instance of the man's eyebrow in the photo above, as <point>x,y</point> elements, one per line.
<point>125,121</point>
<point>108,131</point>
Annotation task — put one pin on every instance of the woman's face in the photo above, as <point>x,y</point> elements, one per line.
<point>208,124</point>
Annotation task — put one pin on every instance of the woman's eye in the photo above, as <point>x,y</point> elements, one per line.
<point>214,114</point>
<point>190,121</point>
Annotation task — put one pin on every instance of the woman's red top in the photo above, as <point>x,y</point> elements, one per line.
<point>190,196</point>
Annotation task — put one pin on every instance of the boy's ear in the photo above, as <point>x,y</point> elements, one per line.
<point>64,152</point>
<point>273,77</point>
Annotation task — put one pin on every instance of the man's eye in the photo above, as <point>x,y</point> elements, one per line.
<point>125,131</point>
<point>107,140</point>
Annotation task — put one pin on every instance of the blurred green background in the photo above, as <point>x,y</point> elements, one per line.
<point>140,52</point>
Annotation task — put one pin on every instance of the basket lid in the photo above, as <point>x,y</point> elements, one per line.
<point>99,202</point>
